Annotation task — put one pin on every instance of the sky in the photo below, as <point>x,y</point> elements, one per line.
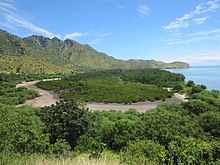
<point>165,30</point>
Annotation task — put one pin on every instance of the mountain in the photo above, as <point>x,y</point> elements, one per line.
<point>38,54</point>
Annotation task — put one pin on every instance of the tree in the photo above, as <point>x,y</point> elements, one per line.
<point>120,134</point>
<point>178,88</point>
<point>163,126</point>
<point>198,106</point>
<point>210,122</point>
<point>143,152</point>
<point>190,83</point>
<point>189,151</point>
<point>66,120</point>
<point>21,130</point>
<point>196,89</point>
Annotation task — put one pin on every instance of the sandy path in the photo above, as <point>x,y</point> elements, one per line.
<point>140,106</point>
<point>46,99</point>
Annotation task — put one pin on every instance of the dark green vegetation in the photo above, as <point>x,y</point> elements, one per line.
<point>116,86</point>
<point>37,54</point>
<point>186,133</point>
<point>11,95</point>
<point>171,134</point>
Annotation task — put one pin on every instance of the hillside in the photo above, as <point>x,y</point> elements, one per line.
<point>57,56</point>
<point>26,64</point>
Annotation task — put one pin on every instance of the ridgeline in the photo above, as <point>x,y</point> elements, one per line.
<point>37,54</point>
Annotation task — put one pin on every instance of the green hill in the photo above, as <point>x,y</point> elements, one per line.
<point>26,64</point>
<point>37,54</point>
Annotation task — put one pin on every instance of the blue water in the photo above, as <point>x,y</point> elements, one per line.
<point>205,75</point>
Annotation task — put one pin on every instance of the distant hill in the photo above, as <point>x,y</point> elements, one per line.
<point>38,54</point>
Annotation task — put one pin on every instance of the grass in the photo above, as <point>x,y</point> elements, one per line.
<point>43,159</point>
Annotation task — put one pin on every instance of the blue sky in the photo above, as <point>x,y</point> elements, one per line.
<point>167,30</point>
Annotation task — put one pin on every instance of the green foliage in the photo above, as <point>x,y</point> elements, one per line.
<point>115,86</point>
<point>172,133</point>
<point>210,97</point>
<point>197,89</point>
<point>60,147</point>
<point>178,87</point>
<point>171,107</point>
<point>165,126</point>
<point>145,76</point>
<point>197,107</point>
<point>28,65</point>
<point>66,120</point>
<point>114,129</point>
<point>96,149</point>
<point>17,78</point>
<point>120,134</point>
<point>190,83</point>
<point>11,95</point>
<point>191,151</point>
<point>21,130</point>
<point>104,90</point>
<point>210,122</point>
<point>143,152</point>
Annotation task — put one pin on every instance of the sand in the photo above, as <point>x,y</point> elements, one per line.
<point>46,99</point>
<point>139,106</point>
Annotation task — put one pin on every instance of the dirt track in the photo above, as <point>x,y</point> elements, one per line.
<point>48,97</point>
<point>140,106</point>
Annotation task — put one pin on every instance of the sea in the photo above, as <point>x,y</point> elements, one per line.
<point>203,75</point>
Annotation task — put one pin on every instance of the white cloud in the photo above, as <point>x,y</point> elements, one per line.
<point>176,25</point>
<point>96,41</point>
<point>194,37</point>
<point>194,16</point>
<point>13,19</point>
<point>185,17</point>
<point>75,34</point>
<point>99,37</point>
<point>7,6</point>
<point>203,56</point>
<point>208,32</point>
<point>143,10</point>
<point>91,37</point>
<point>199,21</point>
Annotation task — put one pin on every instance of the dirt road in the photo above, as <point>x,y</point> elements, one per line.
<point>140,106</point>
<point>48,97</point>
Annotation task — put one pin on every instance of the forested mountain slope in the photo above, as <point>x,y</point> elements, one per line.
<point>67,55</point>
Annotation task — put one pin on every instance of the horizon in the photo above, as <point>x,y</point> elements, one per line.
<point>163,31</point>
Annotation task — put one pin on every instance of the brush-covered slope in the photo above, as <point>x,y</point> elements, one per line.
<point>25,64</point>
<point>55,55</point>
